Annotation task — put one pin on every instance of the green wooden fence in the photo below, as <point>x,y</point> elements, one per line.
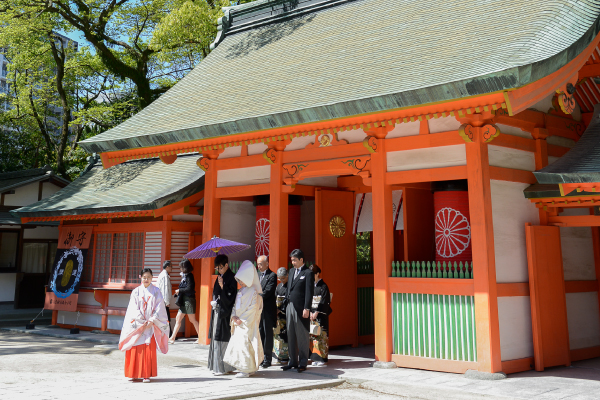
<point>366,315</point>
<point>435,326</point>
<point>364,267</point>
<point>431,269</point>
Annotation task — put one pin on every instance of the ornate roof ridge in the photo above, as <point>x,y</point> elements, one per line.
<point>248,16</point>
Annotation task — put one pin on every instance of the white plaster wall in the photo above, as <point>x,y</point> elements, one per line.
<point>87,298</point>
<point>23,196</point>
<point>300,142</point>
<point>328,181</point>
<point>583,319</point>
<point>116,322</point>
<point>85,319</point>
<point>514,131</point>
<point>435,157</point>
<point>48,189</point>
<point>405,129</point>
<point>560,141</point>
<point>510,211</point>
<point>118,299</point>
<point>41,232</point>
<point>307,229</point>
<point>511,158</point>
<point>545,104</point>
<point>7,287</point>
<point>445,124</point>
<point>577,253</point>
<point>353,136</point>
<point>257,148</point>
<point>244,176</point>
<point>516,338</point>
<point>231,152</point>
<point>238,223</point>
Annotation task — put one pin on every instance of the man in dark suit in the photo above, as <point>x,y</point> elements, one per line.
<point>301,285</point>
<point>268,283</point>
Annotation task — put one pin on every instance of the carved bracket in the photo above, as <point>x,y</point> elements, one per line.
<point>270,155</point>
<point>566,95</point>
<point>370,142</point>
<point>295,172</point>
<point>326,140</point>
<point>485,133</point>
<point>168,159</point>
<point>202,163</point>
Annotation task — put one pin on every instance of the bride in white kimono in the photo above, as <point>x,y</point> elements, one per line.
<point>145,328</point>
<point>244,351</point>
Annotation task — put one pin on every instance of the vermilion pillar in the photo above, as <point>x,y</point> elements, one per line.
<point>482,234</point>
<point>211,227</point>
<point>383,248</point>
<point>278,215</point>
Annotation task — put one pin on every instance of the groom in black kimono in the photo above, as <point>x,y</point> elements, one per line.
<point>224,293</point>
<point>301,285</point>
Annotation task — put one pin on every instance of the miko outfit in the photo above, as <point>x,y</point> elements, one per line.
<point>139,341</point>
<point>321,304</point>
<point>245,350</point>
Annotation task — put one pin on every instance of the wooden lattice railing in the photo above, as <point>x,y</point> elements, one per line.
<point>432,269</point>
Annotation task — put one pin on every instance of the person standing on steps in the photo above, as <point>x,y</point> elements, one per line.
<point>186,300</point>
<point>223,299</point>
<point>165,287</point>
<point>268,318</point>
<point>301,285</point>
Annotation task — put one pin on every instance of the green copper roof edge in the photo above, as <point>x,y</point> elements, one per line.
<point>181,194</point>
<point>503,80</point>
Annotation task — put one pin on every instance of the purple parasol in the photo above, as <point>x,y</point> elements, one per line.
<point>214,247</point>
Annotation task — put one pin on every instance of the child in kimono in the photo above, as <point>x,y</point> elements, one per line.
<point>244,351</point>
<point>145,327</point>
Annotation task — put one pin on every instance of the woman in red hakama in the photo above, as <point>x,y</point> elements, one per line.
<point>145,328</point>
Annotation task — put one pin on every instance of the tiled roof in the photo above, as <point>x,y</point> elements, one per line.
<point>132,186</point>
<point>7,218</point>
<point>582,163</point>
<point>305,61</point>
<point>13,180</point>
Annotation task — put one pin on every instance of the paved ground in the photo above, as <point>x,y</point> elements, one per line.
<point>44,367</point>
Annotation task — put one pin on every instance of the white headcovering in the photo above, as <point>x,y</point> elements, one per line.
<point>247,274</point>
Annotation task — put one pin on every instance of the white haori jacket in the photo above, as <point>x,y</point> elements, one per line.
<point>164,284</point>
<point>245,351</point>
<point>145,304</point>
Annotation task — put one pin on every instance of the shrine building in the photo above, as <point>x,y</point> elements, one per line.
<point>457,143</point>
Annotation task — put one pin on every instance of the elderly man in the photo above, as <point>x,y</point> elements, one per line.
<point>268,283</point>
<point>165,287</point>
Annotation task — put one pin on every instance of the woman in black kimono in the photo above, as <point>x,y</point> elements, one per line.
<point>280,345</point>
<point>319,314</point>
<point>186,299</point>
<point>224,292</point>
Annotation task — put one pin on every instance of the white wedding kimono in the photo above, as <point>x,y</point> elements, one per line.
<point>245,351</point>
<point>145,304</point>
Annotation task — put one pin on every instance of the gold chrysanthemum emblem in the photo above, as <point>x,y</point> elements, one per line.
<point>337,226</point>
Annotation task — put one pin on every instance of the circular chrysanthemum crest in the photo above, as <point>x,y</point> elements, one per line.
<point>452,232</point>
<point>262,236</point>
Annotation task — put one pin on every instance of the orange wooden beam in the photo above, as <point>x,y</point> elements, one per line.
<point>515,289</point>
<point>557,151</point>
<point>515,142</point>
<point>518,365</point>
<point>575,220</point>
<point>585,354</point>
<point>241,191</point>
<point>589,71</point>
<point>512,175</point>
<point>241,162</point>
<point>188,201</point>
<point>424,141</point>
<point>278,216</point>
<point>426,175</point>
<point>457,287</point>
